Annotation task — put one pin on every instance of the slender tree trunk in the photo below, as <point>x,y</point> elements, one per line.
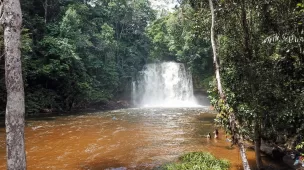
<point>14,117</point>
<point>235,137</point>
<point>45,10</point>
<point>215,60</point>
<point>247,47</point>
<point>249,55</point>
<point>257,145</point>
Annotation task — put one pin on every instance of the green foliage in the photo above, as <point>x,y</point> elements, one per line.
<point>205,83</point>
<point>77,53</point>
<point>262,62</point>
<point>179,37</point>
<point>199,161</point>
<point>300,145</point>
<point>41,98</point>
<point>69,26</point>
<point>262,80</point>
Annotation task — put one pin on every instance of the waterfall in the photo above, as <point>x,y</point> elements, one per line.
<point>166,84</point>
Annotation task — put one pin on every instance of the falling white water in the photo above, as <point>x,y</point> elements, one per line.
<point>165,84</point>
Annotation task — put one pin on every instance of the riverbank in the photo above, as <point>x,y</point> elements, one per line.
<point>96,107</point>
<point>93,107</point>
<point>201,97</point>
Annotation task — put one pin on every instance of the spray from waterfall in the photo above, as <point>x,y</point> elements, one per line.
<point>166,84</point>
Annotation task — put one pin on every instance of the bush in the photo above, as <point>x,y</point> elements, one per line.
<point>198,161</point>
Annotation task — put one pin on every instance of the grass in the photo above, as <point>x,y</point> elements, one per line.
<point>198,161</point>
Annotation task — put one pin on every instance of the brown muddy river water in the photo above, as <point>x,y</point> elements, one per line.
<point>121,139</point>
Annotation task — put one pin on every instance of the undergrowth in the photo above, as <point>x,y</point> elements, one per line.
<point>198,161</point>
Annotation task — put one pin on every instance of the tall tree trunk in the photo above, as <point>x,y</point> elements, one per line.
<point>249,56</point>
<point>215,60</point>
<point>14,117</point>
<point>235,137</point>
<point>247,47</point>
<point>257,145</point>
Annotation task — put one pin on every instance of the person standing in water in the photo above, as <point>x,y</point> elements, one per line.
<point>209,136</point>
<point>216,134</point>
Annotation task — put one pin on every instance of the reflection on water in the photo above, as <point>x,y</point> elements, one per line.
<point>122,139</point>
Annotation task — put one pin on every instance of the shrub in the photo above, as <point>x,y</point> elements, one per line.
<point>198,161</point>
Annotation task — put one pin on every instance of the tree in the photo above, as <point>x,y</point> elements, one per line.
<point>78,54</point>
<point>232,119</point>
<point>178,37</point>
<point>12,21</point>
<point>256,75</point>
<point>261,58</point>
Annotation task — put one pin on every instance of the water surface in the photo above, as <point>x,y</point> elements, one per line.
<point>124,139</point>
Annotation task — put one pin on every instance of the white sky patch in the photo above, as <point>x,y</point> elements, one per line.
<point>167,5</point>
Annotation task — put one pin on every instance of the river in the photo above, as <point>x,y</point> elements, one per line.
<point>121,139</point>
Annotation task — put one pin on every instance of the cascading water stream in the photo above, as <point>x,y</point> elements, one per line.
<point>166,84</point>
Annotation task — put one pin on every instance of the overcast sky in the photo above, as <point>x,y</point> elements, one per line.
<point>163,4</point>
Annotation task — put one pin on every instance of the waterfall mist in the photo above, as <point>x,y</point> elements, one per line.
<point>166,84</point>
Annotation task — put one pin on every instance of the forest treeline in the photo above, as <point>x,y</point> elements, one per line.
<point>76,53</point>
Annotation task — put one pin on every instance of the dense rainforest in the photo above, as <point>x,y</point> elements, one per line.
<point>76,54</point>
